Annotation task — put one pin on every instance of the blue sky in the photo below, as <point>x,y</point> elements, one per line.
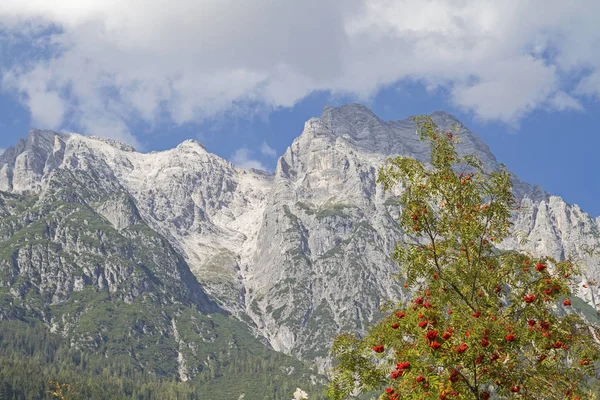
<point>242,78</point>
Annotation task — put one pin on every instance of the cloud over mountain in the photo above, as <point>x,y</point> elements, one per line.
<point>98,66</point>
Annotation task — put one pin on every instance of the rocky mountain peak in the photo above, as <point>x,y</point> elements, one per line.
<point>40,138</point>
<point>353,116</point>
<point>443,114</point>
<point>114,143</point>
<point>191,144</point>
<point>360,127</point>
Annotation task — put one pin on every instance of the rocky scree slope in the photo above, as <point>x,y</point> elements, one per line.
<point>302,253</point>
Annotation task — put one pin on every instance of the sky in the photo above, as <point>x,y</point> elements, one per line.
<point>242,76</point>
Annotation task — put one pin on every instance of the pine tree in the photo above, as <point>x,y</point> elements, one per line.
<point>483,323</point>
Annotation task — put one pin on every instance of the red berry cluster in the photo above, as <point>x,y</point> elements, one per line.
<point>378,348</point>
<point>401,367</point>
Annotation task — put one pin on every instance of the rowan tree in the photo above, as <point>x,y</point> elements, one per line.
<point>483,323</point>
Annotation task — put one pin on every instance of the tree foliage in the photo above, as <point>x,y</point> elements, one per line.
<point>484,322</point>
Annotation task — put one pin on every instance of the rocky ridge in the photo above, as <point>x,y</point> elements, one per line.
<point>299,254</point>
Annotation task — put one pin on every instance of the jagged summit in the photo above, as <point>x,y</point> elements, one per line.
<point>44,134</point>
<point>365,130</point>
<point>347,109</point>
<point>48,136</point>
<point>192,143</point>
<point>352,118</point>
<point>114,143</point>
<point>444,114</point>
<point>357,126</point>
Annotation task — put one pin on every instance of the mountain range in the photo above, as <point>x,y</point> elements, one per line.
<point>179,264</point>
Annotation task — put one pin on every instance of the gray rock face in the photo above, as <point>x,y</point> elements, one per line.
<point>300,254</point>
<point>84,231</point>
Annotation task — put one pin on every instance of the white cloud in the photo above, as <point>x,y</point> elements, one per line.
<point>507,90</point>
<point>590,85</point>
<point>2,151</point>
<point>562,101</point>
<point>195,59</point>
<point>267,150</point>
<point>242,158</point>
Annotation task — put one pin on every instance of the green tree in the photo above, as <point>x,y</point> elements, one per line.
<point>483,323</point>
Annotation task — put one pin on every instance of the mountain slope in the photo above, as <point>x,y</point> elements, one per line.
<point>80,266</point>
<point>300,254</point>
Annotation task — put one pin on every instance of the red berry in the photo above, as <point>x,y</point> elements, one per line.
<point>435,345</point>
<point>430,335</point>
<point>540,267</point>
<point>403,365</point>
<point>422,324</point>
<point>545,325</point>
<point>510,337</point>
<point>567,302</point>
<point>529,298</point>
<point>454,376</point>
<point>378,349</point>
<point>400,314</point>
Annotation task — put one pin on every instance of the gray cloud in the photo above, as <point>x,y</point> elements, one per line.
<point>114,61</point>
